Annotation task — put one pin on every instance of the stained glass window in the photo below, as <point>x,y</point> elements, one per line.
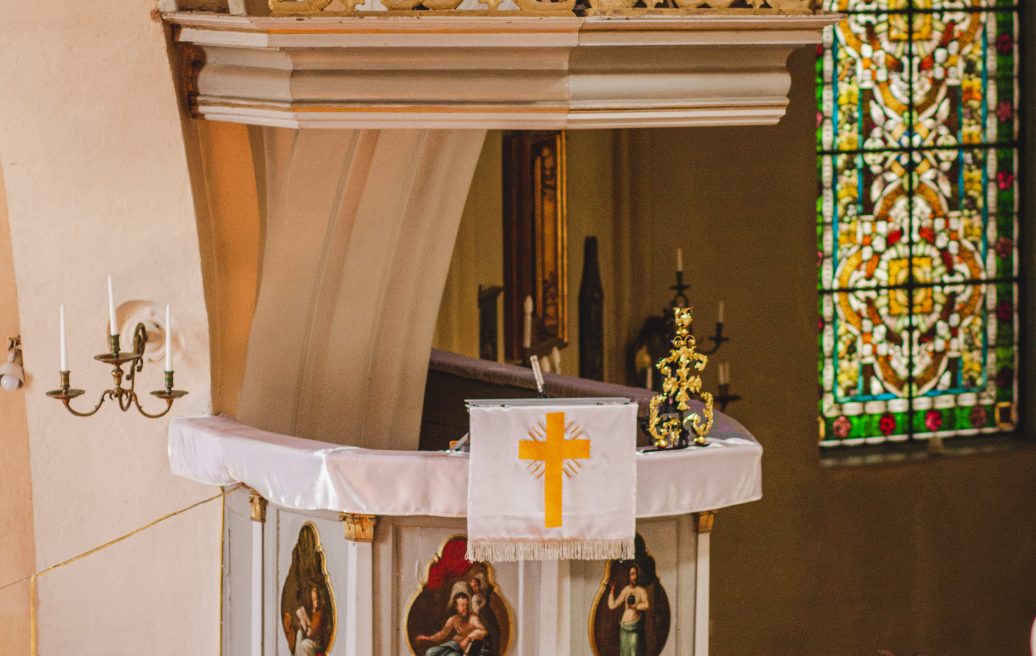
<point>917,156</point>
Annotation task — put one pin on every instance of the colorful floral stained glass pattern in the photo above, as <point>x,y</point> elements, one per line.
<point>917,220</point>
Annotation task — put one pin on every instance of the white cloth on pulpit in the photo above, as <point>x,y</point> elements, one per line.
<point>293,472</point>
<point>552,479</point>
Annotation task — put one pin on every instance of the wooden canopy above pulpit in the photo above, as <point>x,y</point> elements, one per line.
<point>372,119</point>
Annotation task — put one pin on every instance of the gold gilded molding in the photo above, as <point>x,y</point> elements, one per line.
<point>297,6</point>
<point>703,521</point>
<point>359,528</point>
<point>258,504</point>
<point>547,7</point>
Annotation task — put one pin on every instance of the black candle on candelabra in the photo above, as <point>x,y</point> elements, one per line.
<point>652,342</point>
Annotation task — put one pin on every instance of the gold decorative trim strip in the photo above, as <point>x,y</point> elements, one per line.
<point>504,22</point>
<point>309,8</point>
<point>33,578</point>
<point>504,29</point>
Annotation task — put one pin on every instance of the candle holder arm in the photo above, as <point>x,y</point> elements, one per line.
<point>725,398</point>
<point>66,394</point>
<point>141,410</point>
<point>717,340</point>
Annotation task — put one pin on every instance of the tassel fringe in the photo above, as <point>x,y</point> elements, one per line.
<point>503,551</point>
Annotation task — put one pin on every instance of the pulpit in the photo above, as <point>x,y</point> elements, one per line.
<point>380,522</point>
<point>345,511</point>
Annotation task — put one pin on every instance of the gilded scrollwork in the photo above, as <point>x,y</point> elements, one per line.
<point>537,7</point>
<point>681,370</point>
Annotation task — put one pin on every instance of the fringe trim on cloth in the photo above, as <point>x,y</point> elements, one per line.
<point>503,551</point>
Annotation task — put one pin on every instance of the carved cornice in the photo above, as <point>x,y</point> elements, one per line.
<point>359,528</point>
<point>258,506</point>
<point>440,71</point>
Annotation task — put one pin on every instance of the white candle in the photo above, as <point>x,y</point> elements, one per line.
<point>168,341</point>
<point>555,360</point>
<point>679,260</point>
<point>64,344</point>
<point>650,378</point>
<point>527,323</point>
<point>722,308</point>
<point>113,324</point>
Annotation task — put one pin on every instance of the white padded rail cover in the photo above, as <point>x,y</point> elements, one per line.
<point>293,472</point>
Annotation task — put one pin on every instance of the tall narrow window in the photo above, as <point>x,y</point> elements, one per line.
<point>918,220</point>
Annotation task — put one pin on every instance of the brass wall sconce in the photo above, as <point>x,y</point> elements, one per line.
<point>125,397</point>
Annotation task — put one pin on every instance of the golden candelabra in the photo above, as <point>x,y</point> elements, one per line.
<point>125,397</point>
<point>671,422</point>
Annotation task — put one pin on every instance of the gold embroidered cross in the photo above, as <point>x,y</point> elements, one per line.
<point>553,452</point>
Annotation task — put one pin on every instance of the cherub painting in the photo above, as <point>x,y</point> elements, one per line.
<point>307,600</point>
<point>458,611</point>
<point>630,616</point>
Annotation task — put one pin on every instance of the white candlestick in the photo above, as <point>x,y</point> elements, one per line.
<point>64,344</point>
<point>679,260</point>
<point>527,323</point>
<point>113,324</point>
<point>722,308</point>
<point>168,341</point>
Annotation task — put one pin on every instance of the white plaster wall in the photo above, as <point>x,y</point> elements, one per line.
<point>97,182</point>
<point>16,547</point>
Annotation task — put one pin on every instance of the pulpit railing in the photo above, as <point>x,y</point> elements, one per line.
<point>312,8</point>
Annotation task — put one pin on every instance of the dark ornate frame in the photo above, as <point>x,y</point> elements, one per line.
<point>535,240</point>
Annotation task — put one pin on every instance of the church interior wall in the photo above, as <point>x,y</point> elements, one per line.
<point>16,545</point>
<point>913,556</point>
<point>96,178</point>
<point>923,554</point>
<point>933,554</point>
